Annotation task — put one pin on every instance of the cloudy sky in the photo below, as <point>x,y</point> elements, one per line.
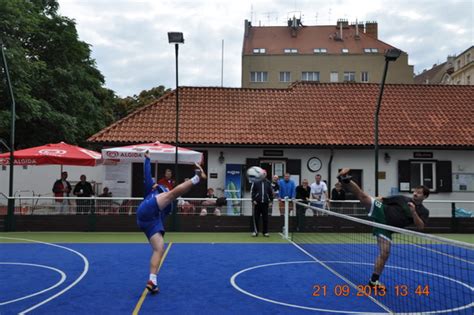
<point>129,37</point>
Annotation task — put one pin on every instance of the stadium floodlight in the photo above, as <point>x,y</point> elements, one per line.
<point>391,54</point>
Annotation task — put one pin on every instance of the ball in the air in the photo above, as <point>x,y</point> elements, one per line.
<point>256,173</point>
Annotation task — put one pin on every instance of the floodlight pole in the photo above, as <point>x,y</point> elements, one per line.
<point>176,48</point>
<point>10,225</point>
<point>390,55</point>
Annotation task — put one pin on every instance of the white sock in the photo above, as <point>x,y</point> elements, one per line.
<point>153,278</point>
<point>195,179</point>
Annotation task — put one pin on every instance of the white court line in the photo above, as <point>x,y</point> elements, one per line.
<point>63,278</point>
<point>444,254</point>
<point>84,271</point>
<point>234,284</point>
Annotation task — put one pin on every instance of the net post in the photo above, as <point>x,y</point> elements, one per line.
<point>285,227</point>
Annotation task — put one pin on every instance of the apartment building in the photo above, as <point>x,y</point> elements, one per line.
<point>464,68</point>
<point>277,56</point>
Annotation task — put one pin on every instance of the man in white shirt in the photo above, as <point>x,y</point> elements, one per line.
<point>319,193</point>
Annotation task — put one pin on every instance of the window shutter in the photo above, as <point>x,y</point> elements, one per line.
<point>444,177</point>
<point>403,175</point>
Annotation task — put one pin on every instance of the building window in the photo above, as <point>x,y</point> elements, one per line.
<point>285,76</point>
<point>364,76</point>
<point>468,58</point>
<point>349,76</point>
<point>459,65</point>
<point>290,51</point>
<point>371,50</point>
<point>258,76</point>
<point>468,80</point>
<point>259,50</point>
<point>345,50</point>
<point>334,76</point>
<point>310,76</point>
<point>320,50</point>
<point>436,175</point>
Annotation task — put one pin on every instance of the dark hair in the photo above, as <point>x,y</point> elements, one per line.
<point>426,190</point>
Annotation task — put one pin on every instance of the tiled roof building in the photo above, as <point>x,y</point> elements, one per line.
<point>277,56</point>
<point>305,115</point>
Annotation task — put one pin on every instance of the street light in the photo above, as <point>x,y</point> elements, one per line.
<point>391,54</point>
<point>176,38</point>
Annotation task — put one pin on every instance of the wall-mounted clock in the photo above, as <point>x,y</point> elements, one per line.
<point>314,164</point>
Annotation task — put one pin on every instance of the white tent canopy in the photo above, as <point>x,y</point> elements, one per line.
<point>159,152</point>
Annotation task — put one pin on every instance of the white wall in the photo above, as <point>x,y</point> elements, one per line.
<point>40,179</point>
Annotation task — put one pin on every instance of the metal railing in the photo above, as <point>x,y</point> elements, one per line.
<point>48,205</point>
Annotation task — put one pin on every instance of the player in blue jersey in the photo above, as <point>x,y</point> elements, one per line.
<point>151,214</point>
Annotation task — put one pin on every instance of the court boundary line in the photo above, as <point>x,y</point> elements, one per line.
<point>237,287</point>
<point>62,273</point>
<point>341,277</point>
<point>82,275</point>
<point>145,291</point>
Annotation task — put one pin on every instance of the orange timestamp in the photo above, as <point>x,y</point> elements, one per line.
<point>341,290</point>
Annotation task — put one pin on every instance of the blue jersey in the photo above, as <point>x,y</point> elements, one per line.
<point>150,218</point>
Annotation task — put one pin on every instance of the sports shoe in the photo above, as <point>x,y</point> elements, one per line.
<point>254,234</point>
<point>376,283</point>
<point>344,176</point>
<point>266,235</point>
<point>152,288</point>
<point>199,171</point>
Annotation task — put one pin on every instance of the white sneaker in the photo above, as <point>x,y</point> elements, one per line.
<point>266,235</point>
<point>254,234</point>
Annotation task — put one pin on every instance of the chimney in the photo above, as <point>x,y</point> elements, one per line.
<point>371,29</point>
<point>293,23</point>
<point>247,26</point>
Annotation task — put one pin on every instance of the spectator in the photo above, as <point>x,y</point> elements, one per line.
<point>287,189</point>
<point>262,195</point>
<point>211,202</point>
<point>167,181</point>
<point>337,193</point>
<point>103,206</point>
<point>61,189</point>
<point>83,189</point>
<point>275,186</point>
<point>319,193</point>
<point>105,193</point>
<point>303,192</point>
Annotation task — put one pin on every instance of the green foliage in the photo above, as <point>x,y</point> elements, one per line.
<point>129,104</point>
<point>58,90</point>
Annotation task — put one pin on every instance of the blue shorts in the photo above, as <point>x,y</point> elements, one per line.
<point>149,217</point>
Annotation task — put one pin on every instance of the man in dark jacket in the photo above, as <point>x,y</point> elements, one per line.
<point>262,196</point>
<point>83,189</point>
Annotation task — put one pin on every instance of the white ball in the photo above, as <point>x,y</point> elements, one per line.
<point>256,173</point>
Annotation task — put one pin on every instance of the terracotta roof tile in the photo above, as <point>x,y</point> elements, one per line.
<point>276,38</point>
<point>324,114</point>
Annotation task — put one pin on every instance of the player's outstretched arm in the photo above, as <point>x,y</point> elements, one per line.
<point>148,179</point>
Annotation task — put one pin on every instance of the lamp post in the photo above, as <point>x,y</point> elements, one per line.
<point>10,226</point>
<point>390,55</point>
<point>176,38</point>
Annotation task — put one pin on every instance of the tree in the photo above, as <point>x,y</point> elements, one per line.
<point>125,106</point>
<point>58,90</point>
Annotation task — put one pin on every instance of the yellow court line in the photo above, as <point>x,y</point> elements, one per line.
<point>145,292</point>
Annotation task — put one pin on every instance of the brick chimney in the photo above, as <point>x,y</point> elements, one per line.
<point>371,29</point>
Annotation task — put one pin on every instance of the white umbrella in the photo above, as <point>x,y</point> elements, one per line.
<point>159,152</point>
